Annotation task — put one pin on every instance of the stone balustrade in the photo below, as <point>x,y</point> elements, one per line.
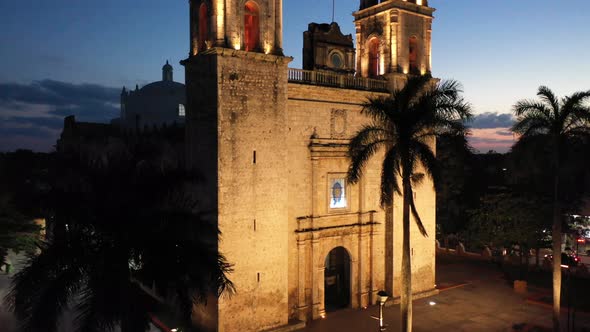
<point>322,78</point>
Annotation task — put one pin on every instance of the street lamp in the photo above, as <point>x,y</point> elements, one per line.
<point>382,297</point>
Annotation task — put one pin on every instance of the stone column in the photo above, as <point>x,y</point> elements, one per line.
<point>278,43</point>
<point>373,290</point>
<point>428,41</point>
<point>393,37</point>
<point>301,256</point>
<point>317,292</point>
<point>359,52</point>
<point>355,276</point>
<point>218,22</point>
<point>193,32</point>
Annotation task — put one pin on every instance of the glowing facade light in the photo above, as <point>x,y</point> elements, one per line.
<point>432,303</point>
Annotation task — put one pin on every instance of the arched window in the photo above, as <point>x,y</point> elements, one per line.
<point>251,26</point>
<point>374,57</point>
<point>413,54</point>
<point>203,26</point>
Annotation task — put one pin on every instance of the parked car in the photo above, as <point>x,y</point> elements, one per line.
<point>570,259</point>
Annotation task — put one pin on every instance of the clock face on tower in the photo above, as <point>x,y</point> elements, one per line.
<point>336,60</point>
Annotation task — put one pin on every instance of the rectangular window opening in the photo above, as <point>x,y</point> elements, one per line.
<point>254,157</point>
<point>258,276</point>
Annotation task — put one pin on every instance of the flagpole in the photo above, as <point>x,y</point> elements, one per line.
<point>333,5</point>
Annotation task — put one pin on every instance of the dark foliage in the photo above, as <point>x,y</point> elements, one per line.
<point>126,239</point>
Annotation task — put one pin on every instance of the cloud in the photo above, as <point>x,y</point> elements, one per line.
<point>497,139</point>
<point>58,93</point>
<point>32,114</point>
<point>492,120</point>
<point>505,133</point>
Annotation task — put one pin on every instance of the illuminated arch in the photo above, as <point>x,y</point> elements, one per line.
<point>413,54</point>
<point>337,279</point>
<point>251,26</point>
<point>374,57</point>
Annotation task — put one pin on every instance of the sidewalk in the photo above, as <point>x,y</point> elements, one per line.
<point>485,302</point>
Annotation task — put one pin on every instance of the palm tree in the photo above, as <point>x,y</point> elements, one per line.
<point>405,125</point>
<point>559,120</point>
<point>127,240</point>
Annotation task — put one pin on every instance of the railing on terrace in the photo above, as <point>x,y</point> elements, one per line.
<point>336,80</point>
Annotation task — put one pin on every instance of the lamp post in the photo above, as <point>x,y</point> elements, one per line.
<point>382,297</point>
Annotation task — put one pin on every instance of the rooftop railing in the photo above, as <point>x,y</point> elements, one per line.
<point>336,80</point>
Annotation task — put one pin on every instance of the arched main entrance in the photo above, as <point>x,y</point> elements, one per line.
<point>337,279</point>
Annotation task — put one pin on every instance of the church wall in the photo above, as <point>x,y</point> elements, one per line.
<point>252,189</point>
<point>236,138</point>
<point>332,115</point>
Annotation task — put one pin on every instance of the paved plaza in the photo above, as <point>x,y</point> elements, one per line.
<point>478,298</point>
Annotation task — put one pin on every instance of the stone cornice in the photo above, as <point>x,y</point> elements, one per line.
<point>400,5</point>
<point>229,52</point>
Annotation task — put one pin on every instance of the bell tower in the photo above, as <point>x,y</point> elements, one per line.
<point>393,38</point>
<point>251,25</point>
<point>236,122</point>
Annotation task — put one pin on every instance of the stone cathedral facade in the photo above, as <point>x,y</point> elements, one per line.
<point>271,143</point>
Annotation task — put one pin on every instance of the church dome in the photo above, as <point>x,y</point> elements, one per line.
<point>156,104</point>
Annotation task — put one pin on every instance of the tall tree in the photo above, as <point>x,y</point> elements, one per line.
<point>406,125</point>
<point>455,194</point>
<point>559,120</point>
<point>126,239</point>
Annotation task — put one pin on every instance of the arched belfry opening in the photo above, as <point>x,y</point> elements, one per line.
<point>251,26</point>
<point>374,57</point>
<point>203,26</point>
<point>413,55</point>
<point>337,279</point>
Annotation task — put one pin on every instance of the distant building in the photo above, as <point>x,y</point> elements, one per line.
<point>156,111</point>
<point>82,135</point>
<point>157,104</point>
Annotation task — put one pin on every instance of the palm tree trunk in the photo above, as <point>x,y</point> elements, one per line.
<point>406,294</point>
<point>556,237</point>
<point>389,251</point>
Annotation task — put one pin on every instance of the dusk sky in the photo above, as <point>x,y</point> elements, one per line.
<point>66,57</point>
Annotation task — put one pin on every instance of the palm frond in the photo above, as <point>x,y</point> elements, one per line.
<point>390,171</point>
<point>362,147</point>
<point>428,161</point>
<point>532,123</point>
<point>549,97</point>
<point>41,291</point>
<point>575,101</point>
<point>414,87</point>
<point>417,179</point>
<point>417,218</point>
<point>522,107</point>
<point>377,109</point>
